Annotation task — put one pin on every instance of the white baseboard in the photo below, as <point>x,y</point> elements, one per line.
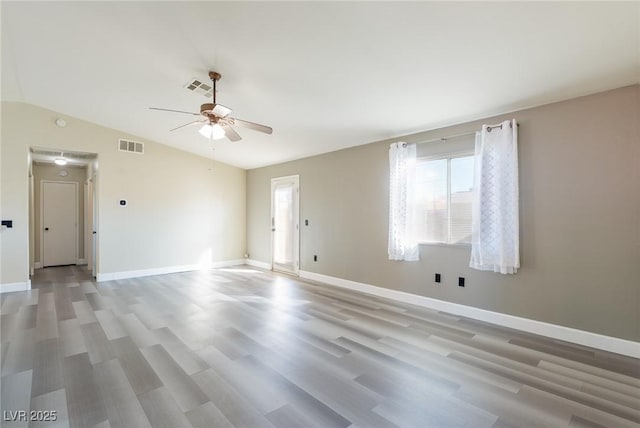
<point>225,263</point>
<point>256,263</point>
<point>581,337</point>
<point>112,276</point>
<point>37,265</point>
<point>81,262</point>
<point>15,286</point>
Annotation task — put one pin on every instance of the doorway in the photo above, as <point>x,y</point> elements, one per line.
<point>59,214</point>
<point>58,234</point>
<point>285,230</point>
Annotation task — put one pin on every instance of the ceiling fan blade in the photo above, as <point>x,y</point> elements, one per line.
<point>174,111</point>
<point>220,110</point>
<point>231,133</point>
<point>187,124</point>
<point>251,125</point>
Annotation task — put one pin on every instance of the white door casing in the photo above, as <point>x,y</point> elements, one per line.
<point>94,225</point>
<point>285,220</point>
<point>89,225</point>
<point>59,223</point>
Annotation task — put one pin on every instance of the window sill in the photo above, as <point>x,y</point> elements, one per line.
<point>443,244</point>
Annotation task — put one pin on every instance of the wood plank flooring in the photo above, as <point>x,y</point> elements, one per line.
<point>246,348</point>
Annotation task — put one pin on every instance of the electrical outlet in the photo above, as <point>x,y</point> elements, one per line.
<point>315,258</point>
<point>460,281</point>
<point>437,277</point>
<point>306,222</point>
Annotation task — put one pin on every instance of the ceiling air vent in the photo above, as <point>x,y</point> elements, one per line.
<point>130,146</point>
<point>202,88</point>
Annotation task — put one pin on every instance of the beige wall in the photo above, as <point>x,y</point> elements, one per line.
<point>183,209</point>
<point>77,175</point>
<point>580,219</point>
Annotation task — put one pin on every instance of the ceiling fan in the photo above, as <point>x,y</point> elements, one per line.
<point>217,122</point>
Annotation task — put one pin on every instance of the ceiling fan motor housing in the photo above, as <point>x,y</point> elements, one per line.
<point>207,109</point>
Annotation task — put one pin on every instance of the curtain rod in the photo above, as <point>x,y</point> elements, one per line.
<point>444,139</point>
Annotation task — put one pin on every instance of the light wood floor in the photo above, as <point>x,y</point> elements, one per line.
<point>246,348</point>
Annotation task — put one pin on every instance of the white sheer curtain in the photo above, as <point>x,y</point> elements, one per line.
<point>495,244</point>
<point>402,177</point>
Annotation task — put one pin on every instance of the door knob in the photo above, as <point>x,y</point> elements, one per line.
<point>273,230</point>
<point>94,232</point>
<point>46,228</point>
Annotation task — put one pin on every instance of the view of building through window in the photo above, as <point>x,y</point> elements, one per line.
<point>443,200</point>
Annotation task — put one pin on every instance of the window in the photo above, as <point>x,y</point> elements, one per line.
<point>444,191</point>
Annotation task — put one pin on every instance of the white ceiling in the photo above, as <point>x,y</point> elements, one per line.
<point>324,75</point>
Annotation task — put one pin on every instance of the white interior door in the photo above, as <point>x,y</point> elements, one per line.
<point>59,223</point>
<point>285,230</point>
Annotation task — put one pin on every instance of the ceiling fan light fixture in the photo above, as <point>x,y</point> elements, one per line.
<point>217,132</point>
<point>214,131</point>
<point>205,131</point>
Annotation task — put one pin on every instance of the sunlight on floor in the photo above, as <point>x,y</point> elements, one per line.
<point>239,270</point>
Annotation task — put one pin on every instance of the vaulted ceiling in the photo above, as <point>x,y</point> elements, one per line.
<point>324,75</point>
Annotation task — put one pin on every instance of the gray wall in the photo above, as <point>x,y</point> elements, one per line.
<point>580,219</point>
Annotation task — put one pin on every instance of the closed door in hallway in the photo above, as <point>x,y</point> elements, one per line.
<point>59,223</point>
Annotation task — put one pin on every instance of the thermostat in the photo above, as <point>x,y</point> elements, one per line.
<point>123,202</point>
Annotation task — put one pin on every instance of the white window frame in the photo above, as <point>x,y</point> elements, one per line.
<point>448,156</point>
